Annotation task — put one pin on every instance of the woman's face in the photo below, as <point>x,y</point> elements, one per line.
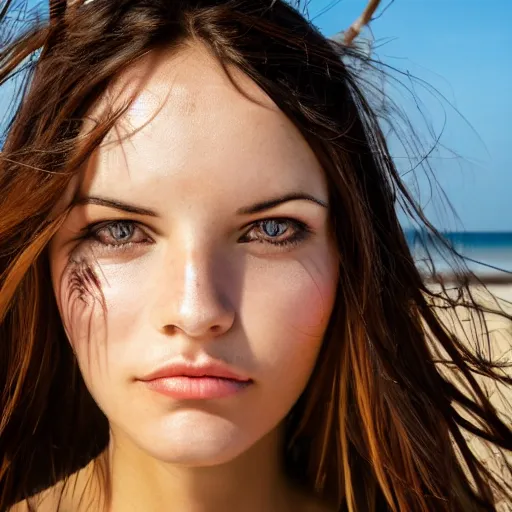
<point>162,262</point>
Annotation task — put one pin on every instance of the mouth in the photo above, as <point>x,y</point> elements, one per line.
<point>185,387</point>
<point>210,379</point>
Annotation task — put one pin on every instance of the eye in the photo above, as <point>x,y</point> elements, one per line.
<point>279,232</point>
<point>116,234</point>
<point>273,227</point>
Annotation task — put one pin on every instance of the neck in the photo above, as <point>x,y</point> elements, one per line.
<point>253,481</point>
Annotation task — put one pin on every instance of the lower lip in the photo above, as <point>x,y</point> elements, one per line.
<point>197,388</point>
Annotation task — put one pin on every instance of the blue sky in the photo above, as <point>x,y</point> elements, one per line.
<point>463,49</point>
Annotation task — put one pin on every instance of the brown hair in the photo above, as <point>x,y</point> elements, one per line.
<point>381,425</point>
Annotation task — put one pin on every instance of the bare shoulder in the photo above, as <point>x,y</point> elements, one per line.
<point>65,496</point>
<point>22,506</point>
<point>46,501</point>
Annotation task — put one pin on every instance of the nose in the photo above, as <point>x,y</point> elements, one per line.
<point>193,297</point>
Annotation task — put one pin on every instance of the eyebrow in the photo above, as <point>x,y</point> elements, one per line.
<point>272,203</point>
<point>118,205</point>
<point>247,210</point>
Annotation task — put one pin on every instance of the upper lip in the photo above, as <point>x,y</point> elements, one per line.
<point>207,368</point>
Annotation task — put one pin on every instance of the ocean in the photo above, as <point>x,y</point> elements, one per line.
<point>486,253</point>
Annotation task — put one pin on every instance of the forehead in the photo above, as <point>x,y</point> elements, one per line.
<point>190,125</point>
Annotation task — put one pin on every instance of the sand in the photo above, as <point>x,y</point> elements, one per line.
<point>500,348</point>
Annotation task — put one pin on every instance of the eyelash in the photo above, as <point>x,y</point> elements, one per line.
<point>301,233</point>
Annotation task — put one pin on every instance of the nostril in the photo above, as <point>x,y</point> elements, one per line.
<point>170,329</point>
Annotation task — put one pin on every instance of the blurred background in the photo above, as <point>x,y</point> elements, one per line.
<point>459,53</point>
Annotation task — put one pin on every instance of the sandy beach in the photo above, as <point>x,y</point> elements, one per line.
<point>502,348</point>
<point>499,348</point>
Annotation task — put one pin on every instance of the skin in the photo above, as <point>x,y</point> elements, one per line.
<point>196,278</point>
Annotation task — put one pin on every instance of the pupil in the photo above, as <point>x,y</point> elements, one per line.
<point>121,231</point>
<point>274,228</point>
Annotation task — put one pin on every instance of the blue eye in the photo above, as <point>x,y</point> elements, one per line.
<point>120,231</point>
<point>117,234</point>
<point>274,229</point>
<point>124,234</point>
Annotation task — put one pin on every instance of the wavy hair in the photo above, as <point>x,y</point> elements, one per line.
<point>383,422</point>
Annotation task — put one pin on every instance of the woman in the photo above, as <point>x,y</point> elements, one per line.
<point>207,300</point>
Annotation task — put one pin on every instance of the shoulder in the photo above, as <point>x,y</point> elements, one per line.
<point>22,506</point>
<point>46,501</point>
<point>58,498</point>
<point>65,496</point>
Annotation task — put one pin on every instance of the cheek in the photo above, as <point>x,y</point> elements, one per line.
<point>127,289</point>
<point>286,312</point>
<point>98,307</point>
<point>304,301</point>
<point>79,298</point>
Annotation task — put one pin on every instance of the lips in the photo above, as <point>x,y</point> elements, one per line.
<point>207,368</point>
<point>197,388</point>
<point>189,381</point>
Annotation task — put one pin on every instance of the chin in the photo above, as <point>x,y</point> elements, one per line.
<point>196,440</point>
